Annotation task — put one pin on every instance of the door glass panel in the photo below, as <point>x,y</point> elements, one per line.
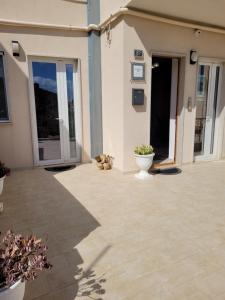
<point>214,107</point>
<point>47,114</point>
<point>201,108</point>
<point>71,109</point>
<point>4,115</point>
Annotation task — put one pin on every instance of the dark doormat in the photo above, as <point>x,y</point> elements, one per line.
<point>60,168</point>
<point>168,171</point>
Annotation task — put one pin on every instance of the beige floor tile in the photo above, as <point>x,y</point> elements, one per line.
<point>163,239</point>
<point>212,285</point>
<point>37,288</point>
<point>220,297</point>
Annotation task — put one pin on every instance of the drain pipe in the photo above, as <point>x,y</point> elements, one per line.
<point>14,23</point>
<point>95,87</point>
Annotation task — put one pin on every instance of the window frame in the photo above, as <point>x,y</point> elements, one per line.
<point>8,120</point>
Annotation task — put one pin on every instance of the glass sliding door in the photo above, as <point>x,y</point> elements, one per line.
<point>54,102</point>
<point>206,109</point>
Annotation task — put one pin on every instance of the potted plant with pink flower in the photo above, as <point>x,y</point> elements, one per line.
<point>21,258</point>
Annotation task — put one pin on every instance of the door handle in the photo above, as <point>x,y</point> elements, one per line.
<point>59,119</point>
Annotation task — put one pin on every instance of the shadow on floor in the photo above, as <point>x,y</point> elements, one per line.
<point>166,171</point>
<point>90,285</point>
<point>60,168</point>
<point>35,202</point>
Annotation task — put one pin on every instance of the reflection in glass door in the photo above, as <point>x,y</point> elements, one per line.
<point>53,89</point>
<point>47,112</point>
<point>206,109</point>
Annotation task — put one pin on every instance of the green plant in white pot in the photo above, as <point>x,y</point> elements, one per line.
<point>20,260</point>
<point>144,155</point>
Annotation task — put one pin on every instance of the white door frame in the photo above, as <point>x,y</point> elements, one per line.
<point>173,108</point>
<point>210,99</point>
<point>62,110</point>
<point>173,102</point>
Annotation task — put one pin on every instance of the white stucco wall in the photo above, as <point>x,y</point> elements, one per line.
<point>16,145</point>
<point>62,12</point>
<point>112,95</point>
<point>154,37</point>
<point>158,37</point>
<point>110,7</point>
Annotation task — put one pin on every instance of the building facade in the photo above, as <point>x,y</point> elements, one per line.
<point>80,78</point>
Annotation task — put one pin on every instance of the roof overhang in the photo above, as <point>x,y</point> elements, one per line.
<point>202,12</point>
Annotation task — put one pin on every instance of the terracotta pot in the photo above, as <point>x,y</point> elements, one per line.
<point>15,292</point>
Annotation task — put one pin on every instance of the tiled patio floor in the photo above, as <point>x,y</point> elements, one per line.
<point>163,239</point>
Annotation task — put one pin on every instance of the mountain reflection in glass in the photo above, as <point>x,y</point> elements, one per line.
<point>71,109</point>
<point>47,114</point>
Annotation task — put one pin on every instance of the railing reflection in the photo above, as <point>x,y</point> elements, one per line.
<point>199,134</point>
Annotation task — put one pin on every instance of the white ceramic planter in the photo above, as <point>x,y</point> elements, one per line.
<point>144,163</point>
<point>1,184</point>
<point>15,292</point>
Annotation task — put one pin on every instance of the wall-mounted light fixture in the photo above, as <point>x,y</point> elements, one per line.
<point>15,48</point>
<point>155,65</point>
<point>193,57</point>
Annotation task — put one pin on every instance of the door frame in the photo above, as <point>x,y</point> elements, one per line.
<point>61,111</point>
<point>173,109</point>
<point>175,96</point>
<point>211,90</point>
